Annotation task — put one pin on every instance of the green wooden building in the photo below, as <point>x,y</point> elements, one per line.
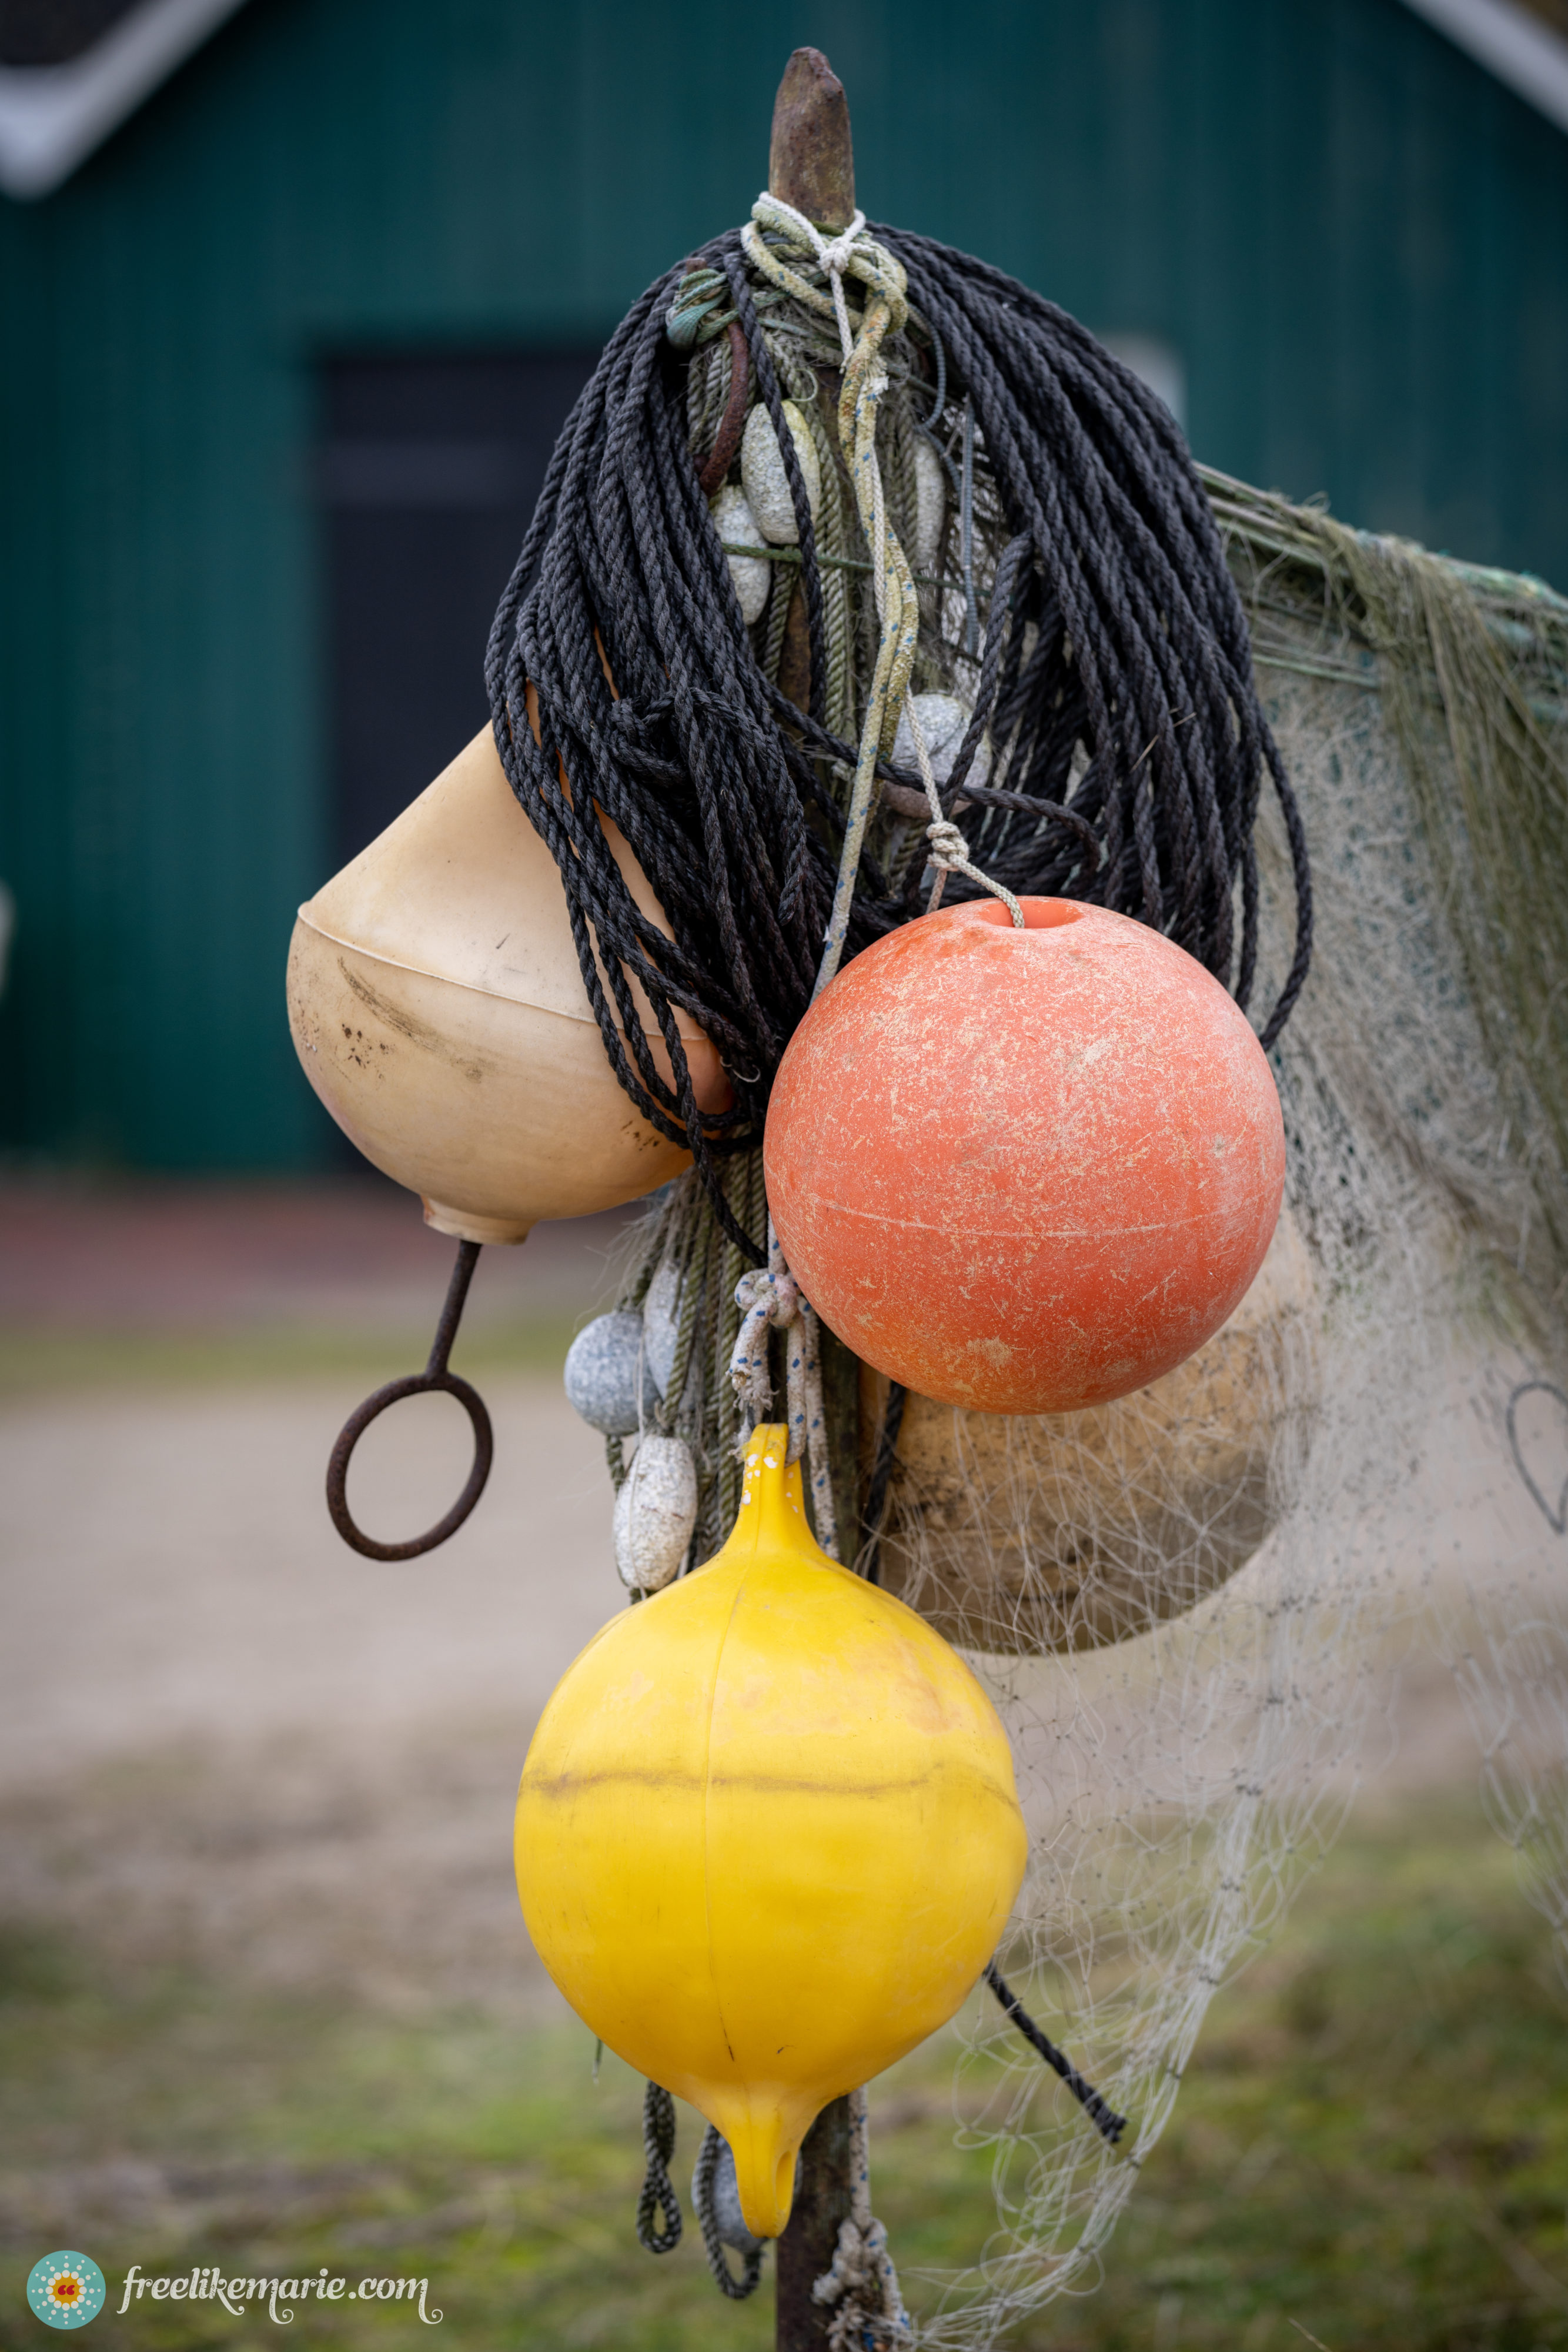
<point>295,292</point>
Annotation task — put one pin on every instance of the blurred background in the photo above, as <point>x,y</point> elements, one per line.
<point>296,294</point>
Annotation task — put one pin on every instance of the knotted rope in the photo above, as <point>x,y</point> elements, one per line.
<point>885,310</point>
<point>769,1300</point>
<point>861,2279</point>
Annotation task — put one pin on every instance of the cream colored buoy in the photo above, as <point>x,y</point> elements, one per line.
<point>439,1010</point>
<point>944,721</point>
<point>1022,1534</point>
<point>656,1513</point>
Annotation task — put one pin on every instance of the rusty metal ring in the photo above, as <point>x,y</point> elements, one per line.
<point>354,1428</point>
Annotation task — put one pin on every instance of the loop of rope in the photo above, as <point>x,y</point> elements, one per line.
<point>709,2158</point>
<point>658,2193</point>
<point>861,2279</point>
<point>768,1299</point>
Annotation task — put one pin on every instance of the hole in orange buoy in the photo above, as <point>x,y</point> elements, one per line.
<point>1038,914</point>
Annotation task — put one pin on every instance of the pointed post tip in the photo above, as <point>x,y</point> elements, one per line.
<point>810,162</point>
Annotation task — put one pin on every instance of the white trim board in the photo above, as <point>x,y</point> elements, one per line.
<point>1516,46</point>
<point>53,117</point>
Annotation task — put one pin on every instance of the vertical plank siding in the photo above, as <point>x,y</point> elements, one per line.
<point>1355,240</point>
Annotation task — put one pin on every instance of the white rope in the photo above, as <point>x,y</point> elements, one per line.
<point>769,1300</point>
<point>855,250</point>
<point>834,254</point>
<point>861,2279</point>
<point>949,852</point>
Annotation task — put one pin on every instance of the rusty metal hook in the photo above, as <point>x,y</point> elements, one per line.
<point>435,1376</point>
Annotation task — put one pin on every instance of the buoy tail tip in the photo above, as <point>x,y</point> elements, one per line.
<point>765,2176</point>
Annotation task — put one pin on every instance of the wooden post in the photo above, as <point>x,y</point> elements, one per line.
<point>811,162</point>
<point>806,2248</point>
<point>810,165</point>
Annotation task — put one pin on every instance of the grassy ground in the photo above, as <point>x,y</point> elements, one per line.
<point>1371,2150</point>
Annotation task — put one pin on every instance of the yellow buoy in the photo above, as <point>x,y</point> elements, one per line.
<point>767,1836</point>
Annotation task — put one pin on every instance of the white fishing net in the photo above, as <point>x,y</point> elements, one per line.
<point>1177,1601</point>
<point>1216,1562</point>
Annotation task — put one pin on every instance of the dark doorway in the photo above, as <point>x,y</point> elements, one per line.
<point>430,469</point>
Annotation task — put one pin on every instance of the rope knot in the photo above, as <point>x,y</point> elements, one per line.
<point>862,2281</point>
<point>949,850</point>
<point>776,1295</point>
<point>768,1298</point>
<point>835,254</point>
<point>854,253</point>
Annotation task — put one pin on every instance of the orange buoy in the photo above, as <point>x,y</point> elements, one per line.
<point>1025,1170</point>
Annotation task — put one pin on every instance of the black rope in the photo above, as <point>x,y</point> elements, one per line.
<point>1104,2118</point>
<point>1140,620</point>
<point>881,1478</point>
<point>1136,745</point>
<point>658,2193</point>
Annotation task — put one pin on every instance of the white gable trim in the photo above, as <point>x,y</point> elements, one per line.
<point>52,117</point>
<point>1511,43</point>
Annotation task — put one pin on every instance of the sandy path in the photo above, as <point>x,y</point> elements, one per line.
<point>172,1577</point>
<point>226,1738</point>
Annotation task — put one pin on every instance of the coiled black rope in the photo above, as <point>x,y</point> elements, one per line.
<point>1115,665</point>
<point>1139,625</point>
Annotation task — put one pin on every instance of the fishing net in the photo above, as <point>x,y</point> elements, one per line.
<point>1382,1432</point>
<point>1177,1601</point>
